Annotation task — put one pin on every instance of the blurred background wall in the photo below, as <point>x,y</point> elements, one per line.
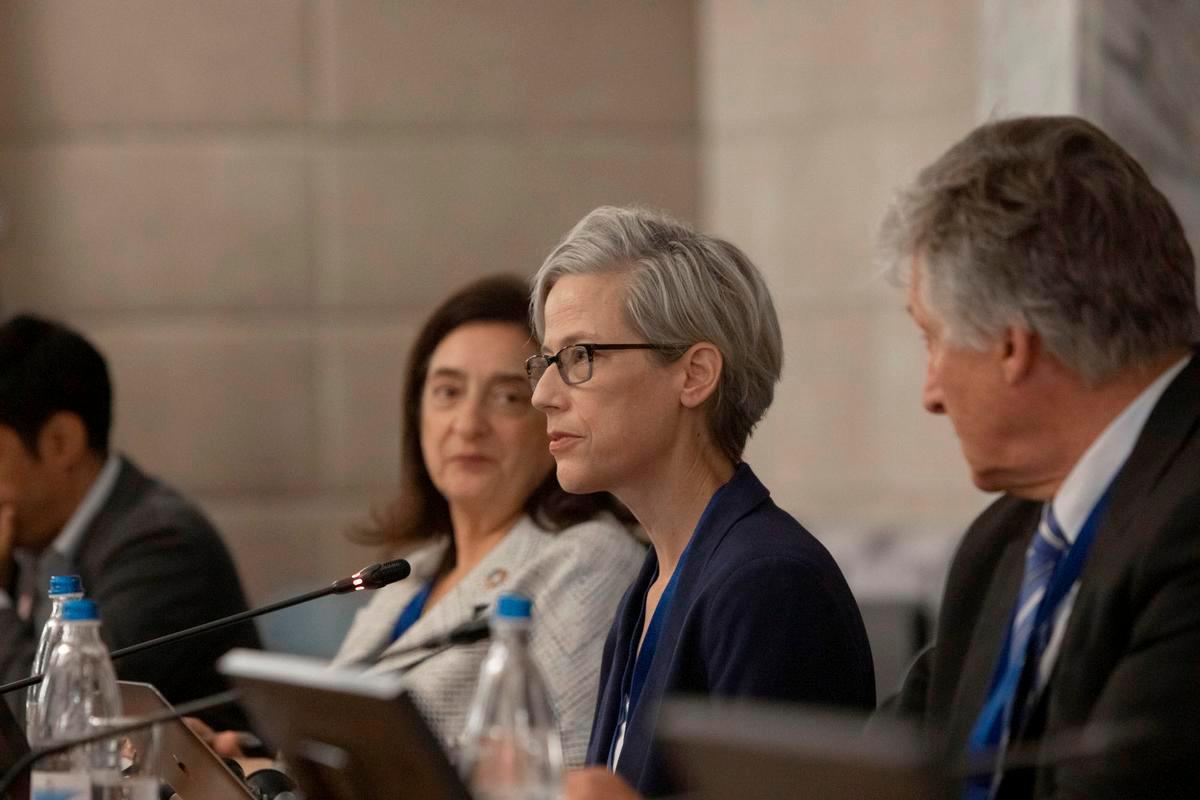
<point>251,205</point>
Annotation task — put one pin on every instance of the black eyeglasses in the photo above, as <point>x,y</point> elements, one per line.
<point>574,361</point>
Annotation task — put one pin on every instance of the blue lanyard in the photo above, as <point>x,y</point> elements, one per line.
<point>634,680</point>
<point>1006,679</point>
<point>412,611</point>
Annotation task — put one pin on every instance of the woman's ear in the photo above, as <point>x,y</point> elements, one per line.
<point>701,366</point>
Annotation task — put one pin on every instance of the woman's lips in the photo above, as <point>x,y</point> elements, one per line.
<point>471,460</point>
<point>561,441</point>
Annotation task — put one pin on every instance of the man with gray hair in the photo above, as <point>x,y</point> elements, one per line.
<point>1055,291</point>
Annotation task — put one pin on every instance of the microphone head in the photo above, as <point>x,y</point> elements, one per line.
<point>374,576</point>
<point>390,572</point>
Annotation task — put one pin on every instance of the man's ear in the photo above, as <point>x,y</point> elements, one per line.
<point>701,366</point>
<point>63,440</point>
<point>1020,350</point>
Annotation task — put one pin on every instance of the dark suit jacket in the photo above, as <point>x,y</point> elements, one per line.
<point>760,611</point>
<point>154,564</point>
<point>1130,657</point>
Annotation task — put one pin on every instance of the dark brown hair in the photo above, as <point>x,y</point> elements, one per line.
<point>419,512</point>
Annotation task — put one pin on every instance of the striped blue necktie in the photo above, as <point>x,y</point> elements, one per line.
<point>997,718</point>
<point>1040,560</point>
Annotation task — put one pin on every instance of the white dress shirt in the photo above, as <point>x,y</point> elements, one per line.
<point>1086,483</point>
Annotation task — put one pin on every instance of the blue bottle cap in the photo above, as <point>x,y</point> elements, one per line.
<point>66,584</point>
<point>81,611</point>
<point>513,606</point>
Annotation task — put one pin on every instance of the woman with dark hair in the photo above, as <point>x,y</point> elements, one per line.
<point>480,512</point>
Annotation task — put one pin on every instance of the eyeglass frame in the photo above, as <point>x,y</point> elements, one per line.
<point>590,349</point>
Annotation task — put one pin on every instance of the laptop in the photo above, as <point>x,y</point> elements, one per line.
<point>185,762</point>
<point>344,734</point>
<point>762,751</point>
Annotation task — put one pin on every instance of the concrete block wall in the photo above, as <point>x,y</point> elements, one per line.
<point>251,206</point>
<point>812,115</point>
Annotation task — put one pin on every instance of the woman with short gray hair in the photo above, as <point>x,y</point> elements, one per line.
<point>660,352</point>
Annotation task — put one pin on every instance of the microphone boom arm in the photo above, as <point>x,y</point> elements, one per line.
<point>374,576</point>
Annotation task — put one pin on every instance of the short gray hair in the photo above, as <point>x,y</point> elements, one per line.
<point>1048,224</point>
<point>684,287</point>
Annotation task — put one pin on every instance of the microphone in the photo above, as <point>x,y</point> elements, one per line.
<point>469,632</point>
<point>375,576</point>
<point>473,630</point>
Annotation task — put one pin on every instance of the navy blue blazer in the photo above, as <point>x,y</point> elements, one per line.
<point>760,610</point>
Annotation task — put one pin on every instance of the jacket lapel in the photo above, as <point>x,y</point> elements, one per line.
<point>740,496</point>
<point>1170,427</point>
<point>612,691</point>
<point>988,635</point>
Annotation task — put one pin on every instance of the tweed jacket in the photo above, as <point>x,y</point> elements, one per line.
<point>575,578</point>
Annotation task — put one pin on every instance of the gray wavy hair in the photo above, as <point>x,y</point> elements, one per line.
<point>684,287</point>
<point>1048,224</point>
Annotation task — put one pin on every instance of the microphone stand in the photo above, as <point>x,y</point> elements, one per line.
<point>373,577</point>
<point>473,630</point>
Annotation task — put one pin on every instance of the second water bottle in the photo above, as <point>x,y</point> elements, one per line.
<point>510,747</point>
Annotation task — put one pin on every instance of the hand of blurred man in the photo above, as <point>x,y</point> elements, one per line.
<point>596,783</point>
<point>224,743</point>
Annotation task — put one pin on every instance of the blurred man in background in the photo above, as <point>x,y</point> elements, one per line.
<point>68,505</point>
<point>1055,291</point>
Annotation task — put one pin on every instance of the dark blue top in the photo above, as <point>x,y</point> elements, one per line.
<point>639,659</point>
<point>760,610</point>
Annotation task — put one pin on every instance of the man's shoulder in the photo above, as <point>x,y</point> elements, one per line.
<point>142,505</point>
<point>1005,517</point>
<point>1007,520</point>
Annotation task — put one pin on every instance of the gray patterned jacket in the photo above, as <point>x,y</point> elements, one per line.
<point>576,579</point>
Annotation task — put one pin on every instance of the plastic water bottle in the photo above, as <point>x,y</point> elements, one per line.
<point>62,589</point>
<point>510,747</point>
<point>80,687</point>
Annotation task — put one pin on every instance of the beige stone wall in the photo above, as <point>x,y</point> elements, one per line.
<point>812,114</point>
<point>250,205</point>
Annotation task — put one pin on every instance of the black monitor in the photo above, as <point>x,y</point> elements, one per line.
<point>760,751</point>
<point>345,735</point>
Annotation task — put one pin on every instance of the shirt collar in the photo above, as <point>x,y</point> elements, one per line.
<point>97,495</point>
<point>1092,474</point>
